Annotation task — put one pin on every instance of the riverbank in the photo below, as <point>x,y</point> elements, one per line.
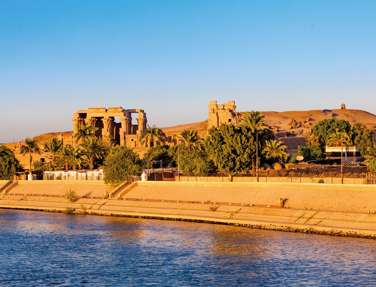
<point>345,210</point>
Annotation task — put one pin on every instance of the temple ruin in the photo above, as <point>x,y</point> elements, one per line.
<point>115,125</point>
<point>222,114</point>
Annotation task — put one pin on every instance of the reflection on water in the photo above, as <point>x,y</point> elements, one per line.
<point>39,249</point>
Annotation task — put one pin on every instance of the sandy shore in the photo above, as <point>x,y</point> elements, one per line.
<point>346,210</point>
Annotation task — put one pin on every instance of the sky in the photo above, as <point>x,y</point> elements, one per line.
<point>171,57</point>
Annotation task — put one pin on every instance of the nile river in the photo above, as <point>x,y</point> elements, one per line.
<point>47,249</point>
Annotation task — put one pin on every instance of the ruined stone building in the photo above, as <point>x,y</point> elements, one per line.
<point>222,114</point>
<point>114,125</point>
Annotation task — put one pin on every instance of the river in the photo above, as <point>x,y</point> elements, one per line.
<point>50,249</point>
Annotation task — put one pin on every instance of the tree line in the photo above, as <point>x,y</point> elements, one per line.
<point>228,150</point>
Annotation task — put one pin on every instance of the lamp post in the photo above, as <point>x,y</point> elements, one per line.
<point>257,157</point>
<point>342,164</point>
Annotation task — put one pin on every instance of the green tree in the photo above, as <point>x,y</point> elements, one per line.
<point>85,132</point>
<point>30,147</point>
<point>310,152</point>
<point>323,130</point>
<point>338,138</point>
<point>72,157</point>
<point>121,164</point>
<point>93,152</point>
<point>371,158</point>
<point>189,138</point>
<point>153,136</point>
<point>230,148</point>
<point>255,122</point>
<point>192,159</point>
<point>159,153</point>
<point>275,151</point>
<point>53,148</point>
<point>8,163</point>
<point>362,138</point>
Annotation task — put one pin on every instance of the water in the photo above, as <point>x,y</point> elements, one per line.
<point>47,249</point>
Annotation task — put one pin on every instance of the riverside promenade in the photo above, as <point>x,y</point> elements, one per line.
<point>335,209</point>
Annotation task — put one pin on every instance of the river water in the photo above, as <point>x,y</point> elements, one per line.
<point>49,249</point>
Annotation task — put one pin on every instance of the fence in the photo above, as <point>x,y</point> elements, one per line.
<point>274,179</point>
<point>371,178</point>
<point>74,175</point>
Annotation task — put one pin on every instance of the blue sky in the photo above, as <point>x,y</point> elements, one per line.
<point>171,57</point>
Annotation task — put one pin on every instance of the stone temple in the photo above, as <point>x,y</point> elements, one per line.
<point>115,125</point>
<point>219,114</point>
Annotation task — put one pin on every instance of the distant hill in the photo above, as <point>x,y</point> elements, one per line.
<point>298,122</point>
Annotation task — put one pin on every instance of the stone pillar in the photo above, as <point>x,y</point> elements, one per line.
<point>141,123</point>
<point>108,130</point>
<point>76,126</point>
<point>88,120</point>
<point>122,130</point>
<point>128,123</point>
<point>105,130</point>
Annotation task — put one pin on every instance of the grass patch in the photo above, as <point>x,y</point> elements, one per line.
<point>71,195</point>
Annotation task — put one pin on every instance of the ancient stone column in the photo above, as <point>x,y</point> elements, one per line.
<point>141,122</point>
<point>76,126</point>
<point>107,131</point>
<point>122,130</point>
<point>88,120</point>
<point>128,123</point>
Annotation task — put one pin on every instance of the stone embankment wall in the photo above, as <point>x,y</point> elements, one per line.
<point>348,210</point>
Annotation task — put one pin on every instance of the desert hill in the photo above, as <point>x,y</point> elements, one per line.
<point>292,122</point>
<point>300,122</point>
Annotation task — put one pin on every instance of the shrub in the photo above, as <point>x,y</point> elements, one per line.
<point>8,163</point>
<point>69,210</point>
<point>121,164</point>
<point>214,207</point>
<point>71,195</point>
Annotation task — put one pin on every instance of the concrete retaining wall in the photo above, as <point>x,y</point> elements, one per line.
<point>322,208</point>
<point>59,188</point>
<point>343,198</point>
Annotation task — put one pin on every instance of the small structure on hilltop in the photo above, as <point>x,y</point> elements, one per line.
<point>222,114</point>
<point>343,106</point>
<point>114,125</point>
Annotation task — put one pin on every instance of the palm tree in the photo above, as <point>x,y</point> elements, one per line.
<point>53,147</point>
<point>93,150</point>
<point>340,139</point>
<point>275,150</point>
<point>189,138</point>
<point>153,135</point>
<point>85,132</point>
<point>72,156</point>
<point>30,147</point>
<point>256,123</point>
